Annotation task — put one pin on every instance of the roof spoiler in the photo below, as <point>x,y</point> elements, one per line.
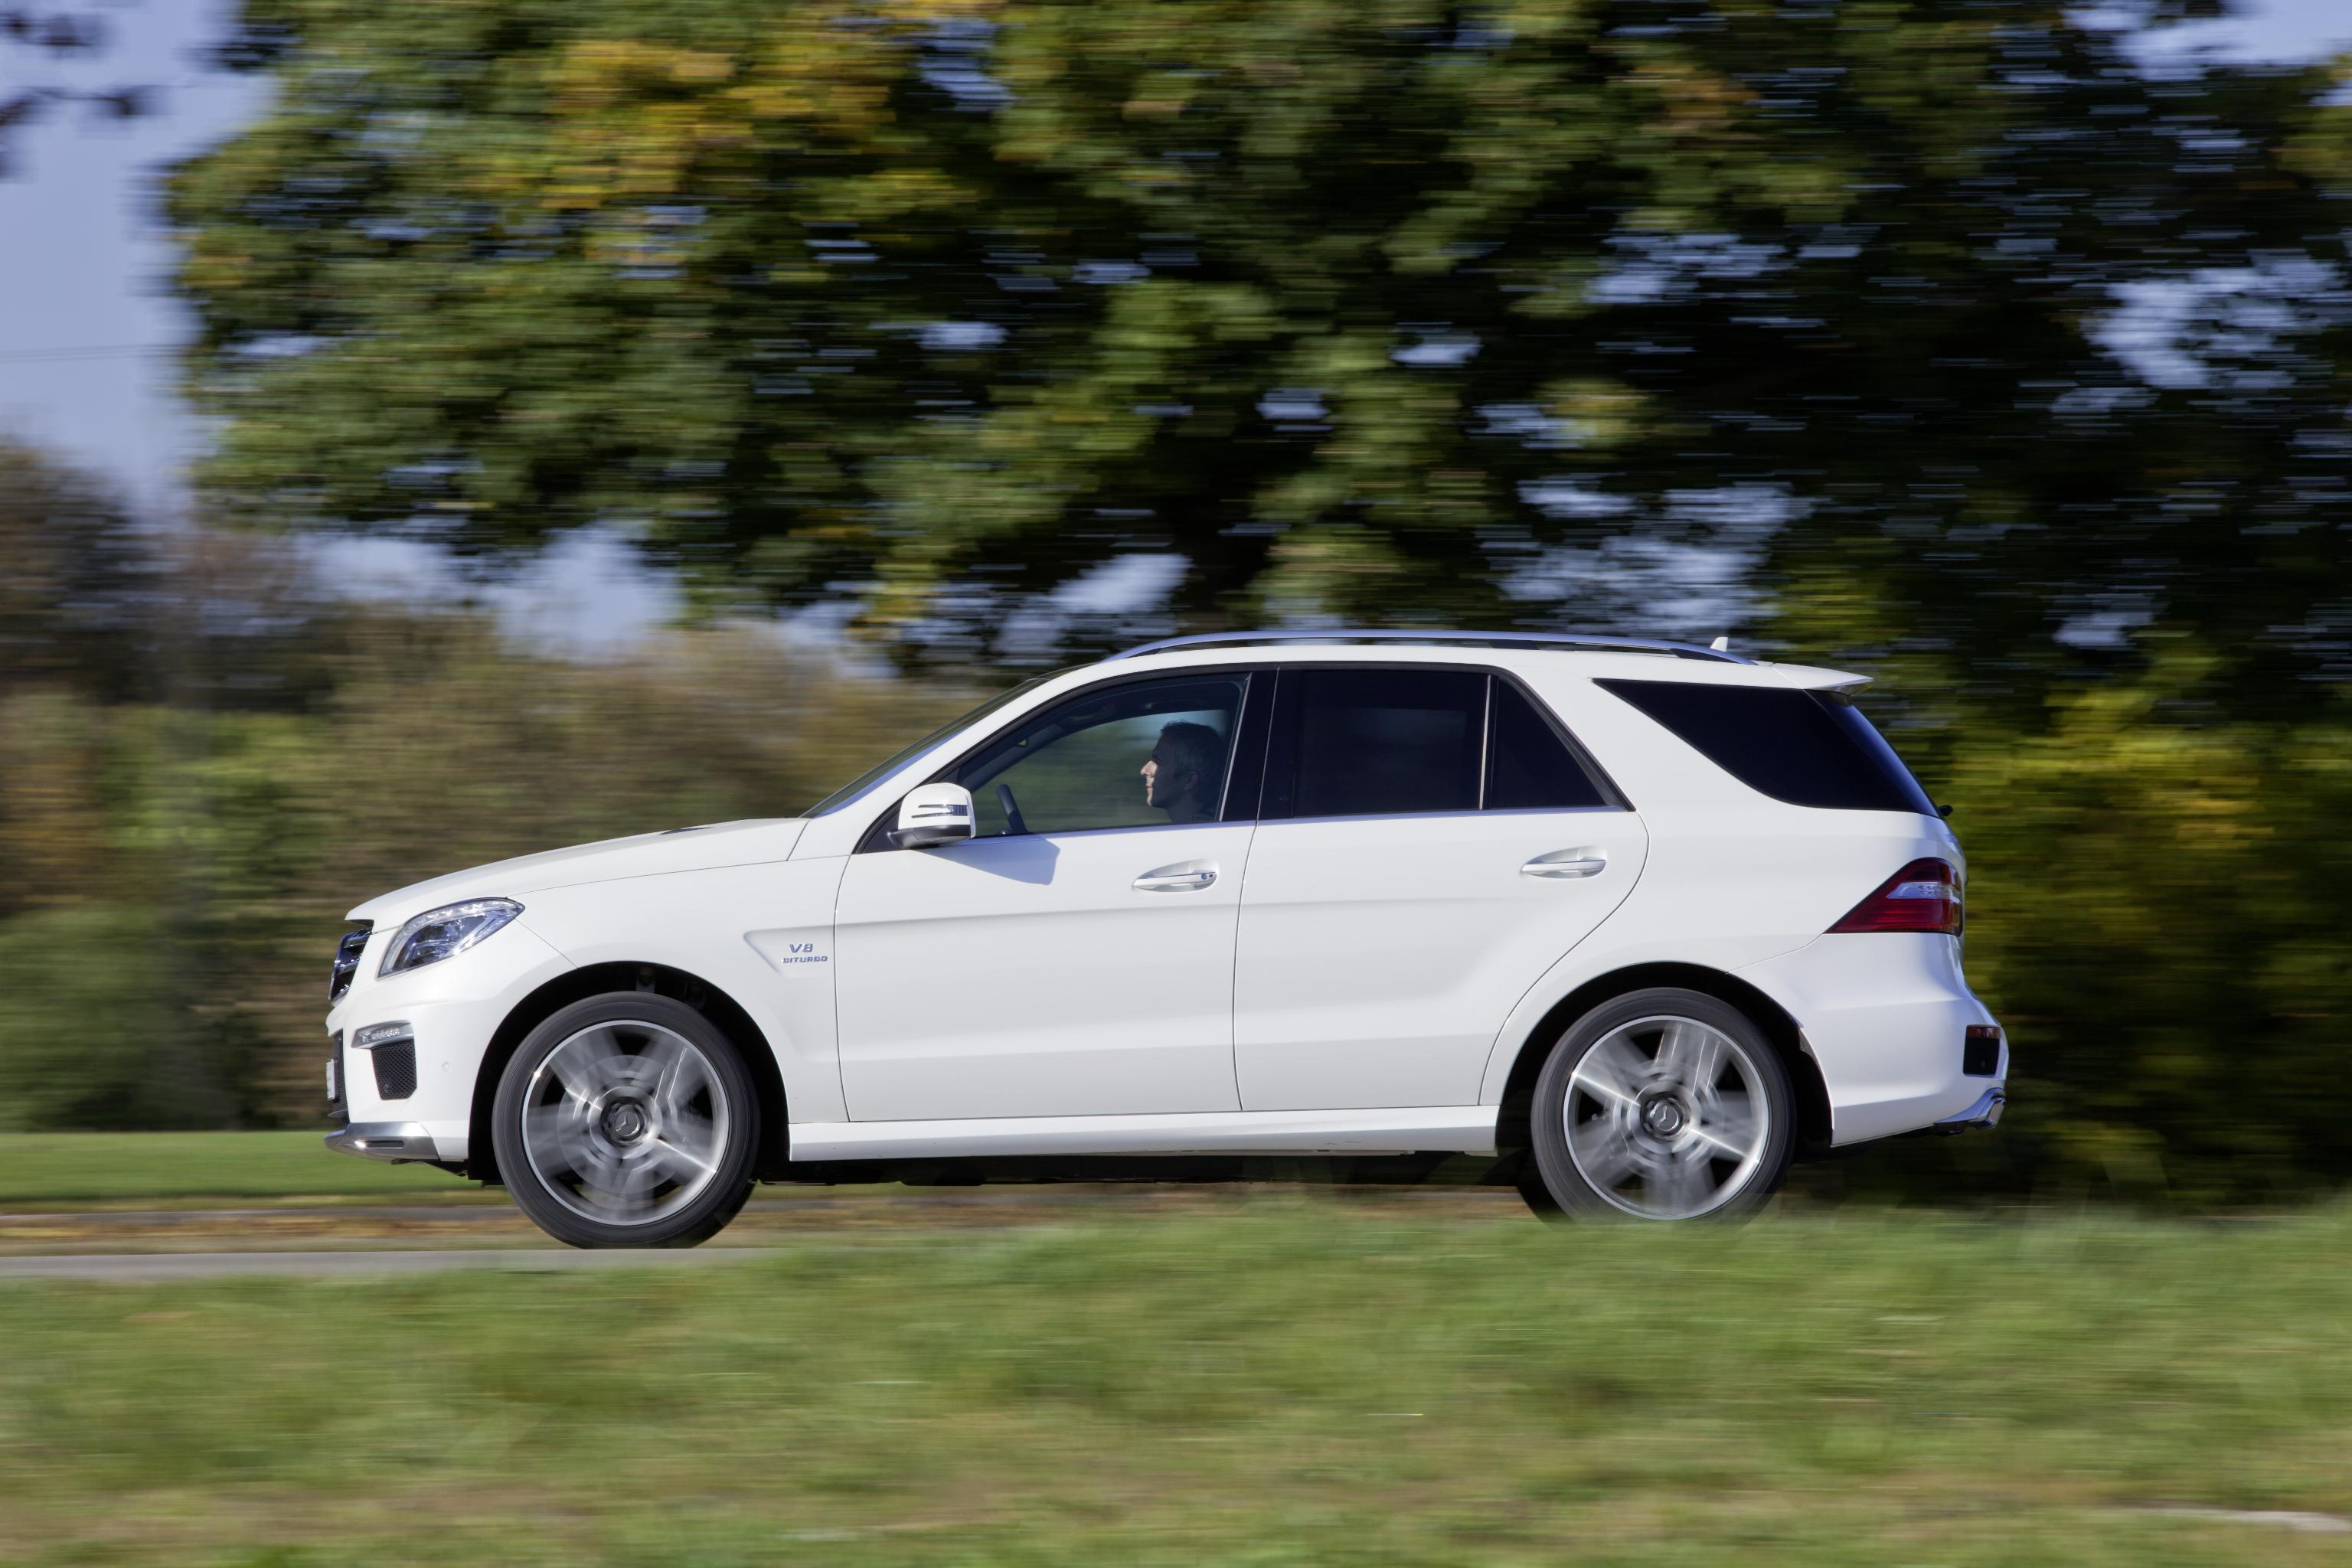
<point>1811,678</point>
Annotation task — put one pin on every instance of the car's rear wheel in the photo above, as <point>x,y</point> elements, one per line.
<point>1664,1105</point>
<point>627,1119</point>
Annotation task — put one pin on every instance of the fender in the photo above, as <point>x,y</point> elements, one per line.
<point>1595,959</point>
<point>762,934</point>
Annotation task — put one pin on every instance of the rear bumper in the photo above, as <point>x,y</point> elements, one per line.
<point>1984,1113</point>
<point>398,1142</point>
<point>1886,1016</point>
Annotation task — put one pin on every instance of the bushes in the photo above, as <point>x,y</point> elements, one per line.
<point>2153,908</point>
<point>175,876</point>
<point>2152,894</point>
<point>187,813</point>
<point>90,1035</point>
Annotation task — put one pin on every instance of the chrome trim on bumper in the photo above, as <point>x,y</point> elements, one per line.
<point>385,1140</point>
<point>1984,1113</point>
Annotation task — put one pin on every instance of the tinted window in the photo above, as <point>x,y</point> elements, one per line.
<point>1374,741</point>
<point>1142,755</point>
<point>1528,766</point>
<point>1808,748</point>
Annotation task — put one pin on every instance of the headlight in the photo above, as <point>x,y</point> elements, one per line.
<point>446,933</point>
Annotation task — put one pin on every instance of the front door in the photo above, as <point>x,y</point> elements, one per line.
<point>1076,957</point>
<point>1432,845</point>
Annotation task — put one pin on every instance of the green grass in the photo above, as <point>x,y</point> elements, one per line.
<point>47,1168</point>
<point>1303,1382</point>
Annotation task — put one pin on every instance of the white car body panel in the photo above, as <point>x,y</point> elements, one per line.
<point>1879,1011</point>
<point>1378,954</point>
<point>1468,1129</point>
<point>676,849</point>
<point>1029,976</point>
<point>761,933</point>
<point>1345,983</point>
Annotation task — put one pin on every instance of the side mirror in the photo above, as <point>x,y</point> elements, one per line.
<point>933,814</point>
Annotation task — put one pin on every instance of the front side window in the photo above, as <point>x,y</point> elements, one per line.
<point>1143,754</point>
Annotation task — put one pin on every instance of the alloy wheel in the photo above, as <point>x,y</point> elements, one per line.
<point>625,1122</point>
<point>1666,1117</point>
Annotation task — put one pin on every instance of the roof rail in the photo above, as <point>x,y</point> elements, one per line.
<point>1392,637</point>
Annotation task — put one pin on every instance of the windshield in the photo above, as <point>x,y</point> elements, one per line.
<point>849,793</point>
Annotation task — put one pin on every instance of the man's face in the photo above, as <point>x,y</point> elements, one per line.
<point>1164,782</point>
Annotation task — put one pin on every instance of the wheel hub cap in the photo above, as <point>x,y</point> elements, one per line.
<point>626,1123</point>
<point>1666,1117</point>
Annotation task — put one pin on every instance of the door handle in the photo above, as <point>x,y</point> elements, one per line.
<point>1585,862</point>
<point>1180,878</point>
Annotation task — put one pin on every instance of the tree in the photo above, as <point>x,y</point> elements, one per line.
<point>53,36</point>
<point>1396,310</point>
<point>77,597</point>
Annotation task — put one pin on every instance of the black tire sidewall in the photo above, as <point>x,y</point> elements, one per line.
<point>712,1209</point>
<point>1547,1134</point>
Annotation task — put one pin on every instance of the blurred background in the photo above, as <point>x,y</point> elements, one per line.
<point>437,432</point>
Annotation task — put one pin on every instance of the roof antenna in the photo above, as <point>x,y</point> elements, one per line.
<point>1721,644</point>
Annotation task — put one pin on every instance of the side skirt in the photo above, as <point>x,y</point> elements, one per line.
<point>1449,1129</point>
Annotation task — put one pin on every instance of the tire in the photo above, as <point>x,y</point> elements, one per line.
<point>1536,1196</point>
<point>1680,1109</point>
<point>1518,1170</point>
<point>627,1119</point>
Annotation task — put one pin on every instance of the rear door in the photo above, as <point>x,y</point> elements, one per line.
<point>1432,841</point>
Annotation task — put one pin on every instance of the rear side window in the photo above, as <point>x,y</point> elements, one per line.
<point>1374,741</point>
<point>1389,741</point>
<point>1528,766</point>
<point>1808,748</point>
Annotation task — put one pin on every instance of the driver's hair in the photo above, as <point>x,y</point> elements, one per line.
<point>1193,748</point>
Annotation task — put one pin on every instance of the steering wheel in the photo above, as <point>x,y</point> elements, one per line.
<point>1013,822</point>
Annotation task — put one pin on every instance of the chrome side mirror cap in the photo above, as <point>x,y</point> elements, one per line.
<point>933,814</point>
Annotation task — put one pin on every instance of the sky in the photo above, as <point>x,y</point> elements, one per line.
<point>86,323</point>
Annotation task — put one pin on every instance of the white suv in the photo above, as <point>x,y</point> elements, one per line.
<point>1639,922</point>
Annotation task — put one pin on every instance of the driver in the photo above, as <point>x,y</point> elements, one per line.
<point>1182,775</point>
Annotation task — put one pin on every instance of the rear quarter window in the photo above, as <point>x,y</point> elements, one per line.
<point>1807,748</point>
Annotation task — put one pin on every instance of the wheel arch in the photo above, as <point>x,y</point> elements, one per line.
<point>1813,1117</point>
<point>600,979</point>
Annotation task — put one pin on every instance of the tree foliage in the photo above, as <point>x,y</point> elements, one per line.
<point>206,763</point>
<point>35,42</point>
<point>1396,310</point>
<point>2148,911</point>
<point>77,579</point>
<point>2152,887</point>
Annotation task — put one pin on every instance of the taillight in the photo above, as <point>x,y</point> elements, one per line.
<point>1923,896</point>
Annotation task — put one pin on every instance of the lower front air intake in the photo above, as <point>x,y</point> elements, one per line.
<point>395,1069</point>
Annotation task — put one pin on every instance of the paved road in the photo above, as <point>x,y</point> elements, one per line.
<point>146,1266</point>
<point>156,1245</point>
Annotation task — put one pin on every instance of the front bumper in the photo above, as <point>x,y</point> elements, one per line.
<point>417,1086</point>
<point>397,1142</point>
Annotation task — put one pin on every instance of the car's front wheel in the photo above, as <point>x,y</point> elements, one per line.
<point>627,1119</point>
<point>1665,1104</point>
